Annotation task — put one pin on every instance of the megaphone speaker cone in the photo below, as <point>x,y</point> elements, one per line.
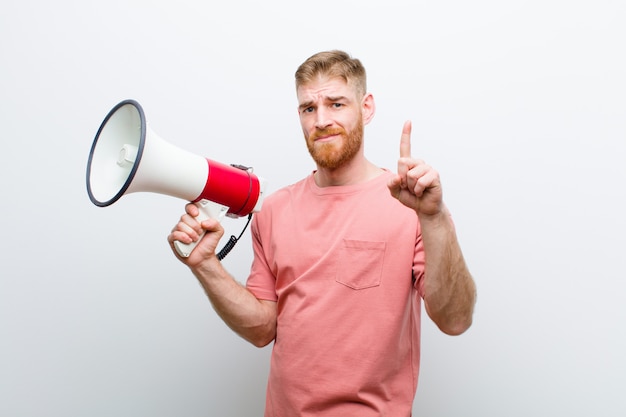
<point>115,153</point>
<point>127,157</point>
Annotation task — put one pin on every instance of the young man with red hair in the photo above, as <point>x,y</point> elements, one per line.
<point>342,261</point>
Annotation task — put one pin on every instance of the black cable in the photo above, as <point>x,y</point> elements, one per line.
<point>232,241</point>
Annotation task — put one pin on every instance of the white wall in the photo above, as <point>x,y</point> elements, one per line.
<point>520,106</point>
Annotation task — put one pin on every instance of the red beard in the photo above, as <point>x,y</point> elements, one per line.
<point>334,154</point>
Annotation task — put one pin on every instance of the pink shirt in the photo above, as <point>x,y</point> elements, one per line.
<point>345,266</point>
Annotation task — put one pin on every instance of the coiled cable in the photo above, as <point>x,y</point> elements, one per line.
<point>232,241</point>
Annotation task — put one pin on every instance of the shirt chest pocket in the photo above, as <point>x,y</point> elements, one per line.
<point>360,263</point>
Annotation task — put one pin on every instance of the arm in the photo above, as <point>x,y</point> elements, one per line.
<point>252,319</point>
<point>450,291</point>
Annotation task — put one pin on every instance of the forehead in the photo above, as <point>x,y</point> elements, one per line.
<point>323,87</point>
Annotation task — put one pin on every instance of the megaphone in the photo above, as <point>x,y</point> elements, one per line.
<point>127,156</point>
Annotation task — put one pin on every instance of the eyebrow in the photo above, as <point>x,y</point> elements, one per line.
<point>305,105</point>
<point>332,99</point>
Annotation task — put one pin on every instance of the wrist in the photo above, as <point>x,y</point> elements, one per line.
<point>440,218</point>
<point>209,266</point>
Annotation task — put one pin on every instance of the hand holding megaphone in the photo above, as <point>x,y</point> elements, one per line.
<point>191,227</point>
<point>126,157</point>
<point>206,210</point>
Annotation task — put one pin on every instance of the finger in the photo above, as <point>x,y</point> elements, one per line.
<point>423,178</point>
<point>192,209</point>
<point>179,236</point>
<point>395,185</point>
<point>183,228</point>
<point>405,140</point>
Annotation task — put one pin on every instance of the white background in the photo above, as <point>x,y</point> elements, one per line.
<point>520,105</point>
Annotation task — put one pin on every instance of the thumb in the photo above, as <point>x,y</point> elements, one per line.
<point>395,185</point>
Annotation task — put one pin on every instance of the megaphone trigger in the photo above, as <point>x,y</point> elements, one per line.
<point>207,210</point>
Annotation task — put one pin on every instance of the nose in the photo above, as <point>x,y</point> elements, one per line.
<point>322,118</point>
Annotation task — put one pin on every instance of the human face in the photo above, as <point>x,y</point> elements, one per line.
<point>332,121</point>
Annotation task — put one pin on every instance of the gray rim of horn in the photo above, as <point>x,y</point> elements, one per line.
<point>142,140</point>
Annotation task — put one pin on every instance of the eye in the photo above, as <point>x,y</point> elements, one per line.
<point>337,105</point>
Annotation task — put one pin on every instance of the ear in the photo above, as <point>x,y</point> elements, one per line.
<point>368,108</point>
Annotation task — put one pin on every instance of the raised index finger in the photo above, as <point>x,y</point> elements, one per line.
<point>405,140</point>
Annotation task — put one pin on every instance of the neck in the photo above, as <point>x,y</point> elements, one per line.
<point>349,174</point>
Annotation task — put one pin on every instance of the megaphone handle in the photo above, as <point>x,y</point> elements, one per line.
<point>208,210</point>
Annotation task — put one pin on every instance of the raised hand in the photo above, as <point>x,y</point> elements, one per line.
<point>417,184</point>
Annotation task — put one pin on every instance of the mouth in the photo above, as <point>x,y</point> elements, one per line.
<point>325,136</point>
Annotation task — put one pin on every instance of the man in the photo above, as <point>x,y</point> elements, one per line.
<point>342,260</point>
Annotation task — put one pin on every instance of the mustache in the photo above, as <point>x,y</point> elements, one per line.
<point>320,133</point>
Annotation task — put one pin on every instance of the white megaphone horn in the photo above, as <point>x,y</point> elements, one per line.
<point>127,157</point>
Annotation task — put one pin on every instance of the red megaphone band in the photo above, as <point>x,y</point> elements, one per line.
<point>236,188</point>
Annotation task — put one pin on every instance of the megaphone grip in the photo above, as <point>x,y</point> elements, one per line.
<point>207,210</point>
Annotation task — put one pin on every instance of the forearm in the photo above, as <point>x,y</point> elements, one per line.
<point>252,319</point>
<point>450,291</point>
